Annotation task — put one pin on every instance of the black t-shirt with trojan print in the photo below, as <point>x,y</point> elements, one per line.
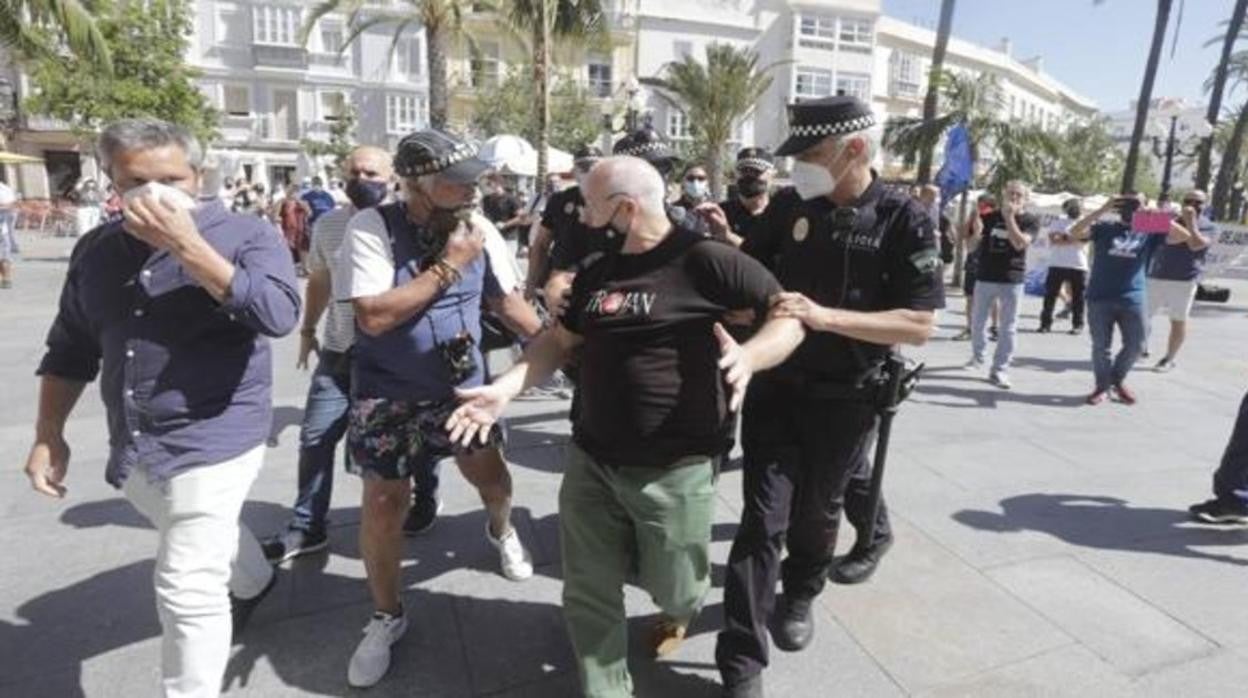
<point>651,390</point>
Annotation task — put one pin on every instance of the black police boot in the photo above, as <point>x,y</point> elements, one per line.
<point>795,627</point>
<point>751,687</point>
<point>858,566</point>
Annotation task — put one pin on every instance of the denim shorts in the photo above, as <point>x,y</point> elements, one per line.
<point>389,439</point>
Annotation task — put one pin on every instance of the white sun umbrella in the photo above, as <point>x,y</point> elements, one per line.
<point>510,155</point>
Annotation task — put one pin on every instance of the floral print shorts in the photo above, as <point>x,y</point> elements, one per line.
<point>389,439</point>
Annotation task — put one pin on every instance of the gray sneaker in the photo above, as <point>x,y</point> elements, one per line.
<point>1001,379</point>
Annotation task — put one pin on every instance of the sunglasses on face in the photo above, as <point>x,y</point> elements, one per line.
<point>1193,202</point>
<point>695,178</point>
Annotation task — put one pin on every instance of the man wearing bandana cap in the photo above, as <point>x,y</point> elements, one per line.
<point>862,270</point>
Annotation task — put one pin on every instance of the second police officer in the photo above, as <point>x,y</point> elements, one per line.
<point>862,269</point>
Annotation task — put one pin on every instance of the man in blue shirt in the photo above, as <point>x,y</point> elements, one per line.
<point>318,200</point>
<point>1173,276</point>
<point>415,272</point>
<point>1115,294</point>
<point>171,307</point>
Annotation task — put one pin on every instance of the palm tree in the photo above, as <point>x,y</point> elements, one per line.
<point>1234,26</point>
<point>972,100</point>
<point>1146,93</point>
<point>1237,73</point>
<point>25,26</point>
<point>715,96</point>
<point>442,20</point>
<point>933,88</point>
<point>560,20</point>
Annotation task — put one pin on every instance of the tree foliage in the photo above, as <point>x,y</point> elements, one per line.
<point>340,144</point>
<point>36,29</point>
<point>715,96</point>
<point>150,78</point>
<point>509,109</point>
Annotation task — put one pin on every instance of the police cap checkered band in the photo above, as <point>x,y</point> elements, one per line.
<point>644,149</point>
<point>754,164</point>
<point>832,129</point>
<point>430,151</point>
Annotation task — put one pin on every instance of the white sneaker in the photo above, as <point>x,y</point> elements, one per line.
<point>371,660</point>
<point>514,559</point>
<point>1001,379</point>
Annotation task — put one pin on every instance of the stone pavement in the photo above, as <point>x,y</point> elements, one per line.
<point>1042,548</point>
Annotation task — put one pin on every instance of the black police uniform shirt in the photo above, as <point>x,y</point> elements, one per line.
<point>999,261</point>
<point>880,254</point>
<point>740,219</point>
<point>650,388</point>
<point>574,244</point>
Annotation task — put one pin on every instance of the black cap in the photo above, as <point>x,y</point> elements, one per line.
<point>812,121</point>
<point>647,144</point>
<point>432,151</point>
<point>754,159</point>
<point>586,151</point>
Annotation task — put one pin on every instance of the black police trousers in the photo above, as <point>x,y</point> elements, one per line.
<point>805,459</point>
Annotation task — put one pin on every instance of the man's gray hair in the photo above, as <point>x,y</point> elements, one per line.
<point>146,134</point>
<point>635,178</point>
<point>872,137</point>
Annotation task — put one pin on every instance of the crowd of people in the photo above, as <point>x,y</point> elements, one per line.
<point>661,310</point>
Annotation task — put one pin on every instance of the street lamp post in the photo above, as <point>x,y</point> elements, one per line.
<point>1171,149</point>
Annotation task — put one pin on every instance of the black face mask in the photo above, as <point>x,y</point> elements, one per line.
<point>611,221</point>
<point>1127,210</point>
<point>751,187</point>
<point>366,194</point>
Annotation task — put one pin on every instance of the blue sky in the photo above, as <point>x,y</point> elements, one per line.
<point>1098,50</point>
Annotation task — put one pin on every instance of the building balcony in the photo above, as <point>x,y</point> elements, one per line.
<point>340,61</point>
<point>275,56</point>
<point>900,89</point>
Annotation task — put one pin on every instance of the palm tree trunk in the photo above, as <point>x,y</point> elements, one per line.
<point>715,168</point>
<point>541,79</point>
<point>1146,94</point>
<point>933,86</point>
<point>1230,165</point>
<point>436,52</point>
<point>1205,167</point>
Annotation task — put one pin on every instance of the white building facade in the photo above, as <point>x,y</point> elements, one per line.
<point>820,49</point>
<point>272,91</point>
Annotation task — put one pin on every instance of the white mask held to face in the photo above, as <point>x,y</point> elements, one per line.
<point>696,189</point>
<point>161,192</point>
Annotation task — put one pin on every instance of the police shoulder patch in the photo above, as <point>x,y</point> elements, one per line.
<point>569,207</point>
<point>801,229</point>
<point>926,260</point>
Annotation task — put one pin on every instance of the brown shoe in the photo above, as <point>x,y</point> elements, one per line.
<point>666,636</point>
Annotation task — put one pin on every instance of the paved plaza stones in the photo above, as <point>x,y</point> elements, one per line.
<point>1042,547</point>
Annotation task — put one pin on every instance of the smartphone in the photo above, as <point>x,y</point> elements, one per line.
<point>1151,221</point>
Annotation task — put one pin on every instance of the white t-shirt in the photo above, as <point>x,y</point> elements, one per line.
<point>7,197</point>
<point>1066,256</point>
<point>365,262</point>
<point>327,235</point>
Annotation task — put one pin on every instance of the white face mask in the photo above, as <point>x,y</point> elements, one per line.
<point>161,192</point>
<point>812,181</point>
<point>696,189</point>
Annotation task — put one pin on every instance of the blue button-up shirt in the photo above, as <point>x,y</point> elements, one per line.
<point>185,380</point>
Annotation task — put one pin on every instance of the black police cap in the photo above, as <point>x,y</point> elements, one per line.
<point>586,151</point>
<point>754,159</point>
<point>433,151</point>
<point>812,121</point>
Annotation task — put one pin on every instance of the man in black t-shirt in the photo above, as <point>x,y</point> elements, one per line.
<point>1003,240</point>
<point>862,270</point>
<point>658,378</point>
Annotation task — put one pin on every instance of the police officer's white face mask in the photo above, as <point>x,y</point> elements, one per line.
<point>812,180</point>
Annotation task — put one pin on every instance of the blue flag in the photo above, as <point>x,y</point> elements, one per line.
<point>955,175</point>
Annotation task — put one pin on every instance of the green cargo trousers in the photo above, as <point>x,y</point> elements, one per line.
<point>613,520</point>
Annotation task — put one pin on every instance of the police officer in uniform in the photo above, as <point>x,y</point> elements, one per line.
<point>560,239</point>
<point>861,266</point>
<point>748,204</point>
<point>647,144</point>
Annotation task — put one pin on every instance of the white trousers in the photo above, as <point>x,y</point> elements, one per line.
<point>204,552</point>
